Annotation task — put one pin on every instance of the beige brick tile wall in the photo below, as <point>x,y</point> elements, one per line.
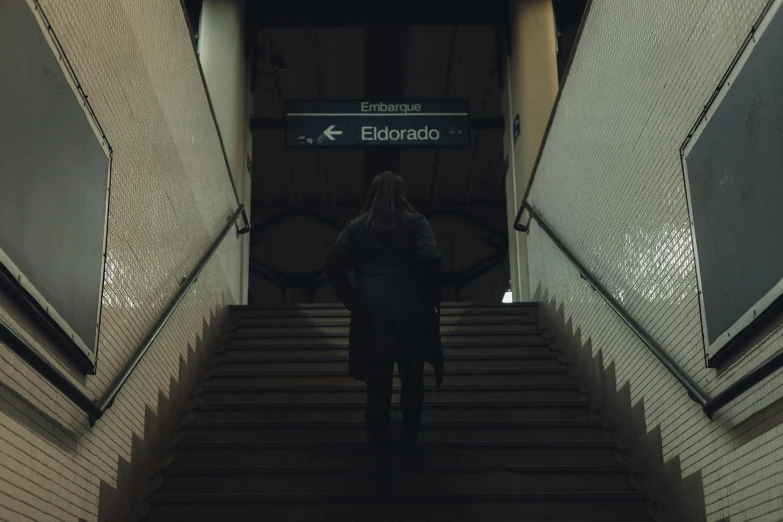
<point>170,197</point>
<point>610,183</point>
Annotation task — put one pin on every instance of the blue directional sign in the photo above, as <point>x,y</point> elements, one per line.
<point>431,124</point>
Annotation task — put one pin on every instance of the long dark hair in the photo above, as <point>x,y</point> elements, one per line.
<point>385,200</point>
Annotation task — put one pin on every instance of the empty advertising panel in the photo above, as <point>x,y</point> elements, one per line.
<point>733,167</point>
<point>54,180</point>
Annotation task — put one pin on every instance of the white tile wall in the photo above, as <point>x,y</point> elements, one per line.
<point>610,184</point>
<point>170,197</point>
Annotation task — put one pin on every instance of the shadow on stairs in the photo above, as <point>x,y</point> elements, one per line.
<point>277,431</point>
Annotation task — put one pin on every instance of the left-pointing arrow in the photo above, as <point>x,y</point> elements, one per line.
<point>331,133</point>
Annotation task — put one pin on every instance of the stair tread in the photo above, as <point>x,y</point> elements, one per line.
<point>329,306</point>
<point>430,445</point>
<point>360,387</point>
<point>331,322</point>
<point>202,498</point>
<point>224,424</point>
<point>470,327</point>
<point>344,358</point>
<point>330,335</point>
<point>423,469</point>
<point>537,341</point>
<point>341,373</point>
<point>335,313</point>
<point>454,317</point>
<point>361,405</point>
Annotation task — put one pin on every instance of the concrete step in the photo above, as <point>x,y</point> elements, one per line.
<point>337,310</point>
<point>430,430</point>
<point>388,507</point>
<point>511,375</point>
<point>246,348</point>
<point>356,393</point>
<point>341,377</point>
<point>435,453</point>
<point>445,319</point>
<point>452,362</point>
<point>305,336</point>
<point>361,480</point>
<point>309,330</point>
<point>531,338</point>
<point>354,411</point>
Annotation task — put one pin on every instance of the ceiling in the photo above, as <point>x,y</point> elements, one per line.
<point>317,13</point>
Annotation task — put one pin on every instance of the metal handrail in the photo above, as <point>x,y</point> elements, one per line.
<point>709,405</point>
<point>96,409</point>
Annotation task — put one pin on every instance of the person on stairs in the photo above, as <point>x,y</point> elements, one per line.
<point>394,306</point>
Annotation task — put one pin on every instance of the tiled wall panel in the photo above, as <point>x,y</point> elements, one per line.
<point>171,195</point>
<point>610,184</point>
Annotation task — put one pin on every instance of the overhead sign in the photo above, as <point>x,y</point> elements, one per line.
<point>431,124</point>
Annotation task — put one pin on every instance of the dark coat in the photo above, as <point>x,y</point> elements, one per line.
<point>394,306</point>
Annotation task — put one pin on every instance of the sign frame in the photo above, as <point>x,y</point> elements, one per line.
<point>18,287</point>
<point>469,128</point>
<point>768,306</point>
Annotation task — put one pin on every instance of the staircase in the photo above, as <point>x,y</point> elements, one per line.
<point>277,431</point>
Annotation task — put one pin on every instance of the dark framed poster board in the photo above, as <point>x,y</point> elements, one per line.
<point>55,170</point>
<point>733,168</point>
